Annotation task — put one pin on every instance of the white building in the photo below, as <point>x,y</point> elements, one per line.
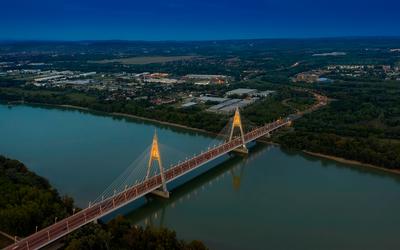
<point>241,92</point>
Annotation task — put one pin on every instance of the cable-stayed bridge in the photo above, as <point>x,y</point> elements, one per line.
<point>154,182</point>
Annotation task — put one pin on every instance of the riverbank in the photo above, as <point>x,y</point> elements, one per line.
<point>351,162</point>
<point>176,125</point>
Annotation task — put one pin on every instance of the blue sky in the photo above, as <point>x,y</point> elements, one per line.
<point>196,20</point>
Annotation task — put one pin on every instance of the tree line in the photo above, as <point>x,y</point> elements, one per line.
<point>362,123</point>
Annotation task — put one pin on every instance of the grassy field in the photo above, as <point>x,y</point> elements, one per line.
<point>145,60</point>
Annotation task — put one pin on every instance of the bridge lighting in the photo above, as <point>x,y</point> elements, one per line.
<point>156,156</point>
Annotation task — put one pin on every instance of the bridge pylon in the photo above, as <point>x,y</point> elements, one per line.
<point>155,156</point>
<point>237,123</point>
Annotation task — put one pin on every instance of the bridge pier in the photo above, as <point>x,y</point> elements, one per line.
<point>241,150</point>
<point>161,193</point>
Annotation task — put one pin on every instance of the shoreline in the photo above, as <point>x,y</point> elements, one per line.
<point>125,115</point>
<point>163,123</point>
<point>176,125</point>
<point>351,162</point>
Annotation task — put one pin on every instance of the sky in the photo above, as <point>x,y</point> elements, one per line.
<point>196,19</point>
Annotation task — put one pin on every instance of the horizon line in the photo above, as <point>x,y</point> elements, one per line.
<point>199,40</point>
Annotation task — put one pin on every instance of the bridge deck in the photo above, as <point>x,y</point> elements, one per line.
<point>98,210</point>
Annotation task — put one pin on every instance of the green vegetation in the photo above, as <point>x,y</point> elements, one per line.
<point>362,123</point>
<point>120,234</point>
<point>10,82</point>
<point>281,104</point>
<point>27,200</point>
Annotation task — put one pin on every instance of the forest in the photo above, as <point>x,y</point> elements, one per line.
<point>361,123</point>
<point>27,200</point>
<point>120,234</point>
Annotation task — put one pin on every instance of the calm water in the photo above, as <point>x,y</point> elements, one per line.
<point>270,200</point>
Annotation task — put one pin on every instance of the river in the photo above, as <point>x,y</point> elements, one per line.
<point>272,199</point>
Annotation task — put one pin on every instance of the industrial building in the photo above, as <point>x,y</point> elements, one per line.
<point>241,92</point>
<point>230,105</point>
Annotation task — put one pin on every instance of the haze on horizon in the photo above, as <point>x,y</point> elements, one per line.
<point>196,20</point>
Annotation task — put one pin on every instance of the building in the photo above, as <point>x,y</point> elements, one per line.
<point>386,68</point>
<point>230,105</point>
<point>200,79</point>
<point>306,77</point>
<point>264,93</point>
<point>161,80</point>
<point>87,74</point>
<point>160,101</point>
<point>202,83</point>
<point>77,82</point>
<point>158,75</point>
<point>188,104</point>
<point>242,92</point>
<point>204,77</point>
<point>212,99</point>
<point>325,80</point>
<point>49,78</point>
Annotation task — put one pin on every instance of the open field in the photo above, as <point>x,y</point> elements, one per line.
<point>145,59</point>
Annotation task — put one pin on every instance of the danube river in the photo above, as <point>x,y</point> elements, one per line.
<point>272,199</point>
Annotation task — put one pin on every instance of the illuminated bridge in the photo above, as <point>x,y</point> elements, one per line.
<point>152,183</point>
